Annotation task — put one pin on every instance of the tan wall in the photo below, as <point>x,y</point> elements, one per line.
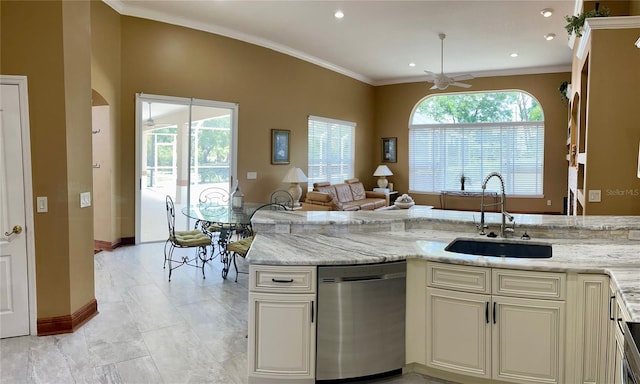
<point>613,131</point>
<point>394,104</point>
<point>48,42</point>
<point>105,80</point>
<point>274,91</point>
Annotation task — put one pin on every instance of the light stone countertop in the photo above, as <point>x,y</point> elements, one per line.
<point>592,244</point>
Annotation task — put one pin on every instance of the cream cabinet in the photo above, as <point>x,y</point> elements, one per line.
<point>614,357</point>
<point>615,351</point>
<point>282,328</point>
<point>589,330</point>
<point>495,324</point>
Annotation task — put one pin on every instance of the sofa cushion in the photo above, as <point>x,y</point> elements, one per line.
<point>320,197</point>
<point>367,205</point>
<point>344,193</point>
<point>330,189</point>
<point>357,190</point>
<point>351,206</point>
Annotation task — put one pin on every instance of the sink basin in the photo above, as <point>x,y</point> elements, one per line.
<point>501,248</point>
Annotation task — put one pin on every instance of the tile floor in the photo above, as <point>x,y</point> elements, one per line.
<point>148,330</point>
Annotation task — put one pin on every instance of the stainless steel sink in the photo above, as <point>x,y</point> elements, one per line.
<point>501,248</point>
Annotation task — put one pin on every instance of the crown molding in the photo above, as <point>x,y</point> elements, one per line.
<point>595,23</point>
<point>496,73</point>
<point>128,9</point>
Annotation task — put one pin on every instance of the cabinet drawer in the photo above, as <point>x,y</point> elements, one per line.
<point>540,285</point>
<point>458,277</point>
<point>277,278</point>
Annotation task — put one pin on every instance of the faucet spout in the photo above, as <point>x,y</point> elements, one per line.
<point>504,214</point>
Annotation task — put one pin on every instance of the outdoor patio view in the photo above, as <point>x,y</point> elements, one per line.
<point>180,159</point>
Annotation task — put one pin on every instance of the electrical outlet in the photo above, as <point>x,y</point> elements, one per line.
<point>85,199</point>
<point>549,202</point>
<point>42,205</point>
<point>595,195</point>
<point>252,175</point>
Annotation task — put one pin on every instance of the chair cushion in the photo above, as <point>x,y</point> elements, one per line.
<point>193,238</point>
<point>241,247</point>
<point>217,227</point>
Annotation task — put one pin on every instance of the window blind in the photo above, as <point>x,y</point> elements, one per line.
<point>331,150</point>
<point>440,154</point>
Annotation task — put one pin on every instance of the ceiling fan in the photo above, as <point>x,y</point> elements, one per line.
<point>440,80</point>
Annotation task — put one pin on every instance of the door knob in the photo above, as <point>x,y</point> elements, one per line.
<point>16,229</point>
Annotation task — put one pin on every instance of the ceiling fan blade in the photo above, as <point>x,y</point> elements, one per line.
<point>434,87</point>
<point>461,85</point>
<point>430,76</point>
<point>463,77</point>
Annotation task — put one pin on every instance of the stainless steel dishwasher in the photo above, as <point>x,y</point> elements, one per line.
<point>361,320</point>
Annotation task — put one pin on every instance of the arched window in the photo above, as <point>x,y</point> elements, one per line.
<point>469,135</point>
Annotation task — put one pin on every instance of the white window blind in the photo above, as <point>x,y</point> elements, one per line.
<point>331,150</point>
<point>439,154</point>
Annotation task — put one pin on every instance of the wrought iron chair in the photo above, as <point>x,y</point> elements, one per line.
<point>183,239</point>
<point>282,197</point>
<point>241,247</point>
<point>215,196</point>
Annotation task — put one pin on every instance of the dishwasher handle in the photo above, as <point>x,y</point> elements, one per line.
<point>357,278</point>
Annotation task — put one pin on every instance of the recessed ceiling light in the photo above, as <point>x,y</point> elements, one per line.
<point>514,54</point>
<point>547,12</point>
<point>339,14</point>
<point>412,64</point>
<point>550,36</point>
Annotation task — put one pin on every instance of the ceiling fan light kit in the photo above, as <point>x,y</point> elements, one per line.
<point>440,80</point>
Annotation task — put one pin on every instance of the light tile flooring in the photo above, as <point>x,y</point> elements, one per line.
<point>148,330</point>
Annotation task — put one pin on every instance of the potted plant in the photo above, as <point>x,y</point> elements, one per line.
<point>576,22</point>
<point>563,91</point>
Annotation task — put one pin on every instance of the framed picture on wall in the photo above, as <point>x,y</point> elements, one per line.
<point>280,146</point>
<point>389,150</point>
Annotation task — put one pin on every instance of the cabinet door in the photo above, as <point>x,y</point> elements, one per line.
<point>611,336</point>
<point>528,339</point>
<point>281,336</point>
<point>619,353</point>
<point>458,332</point>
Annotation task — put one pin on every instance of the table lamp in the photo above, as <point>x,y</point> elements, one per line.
<point>382,171</point>
<point>295,176</point>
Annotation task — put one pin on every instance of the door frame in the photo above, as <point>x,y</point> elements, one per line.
<point>140,97</point>
<point>21,82</point>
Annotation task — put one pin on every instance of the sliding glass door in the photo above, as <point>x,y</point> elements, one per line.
<point>183,146</point>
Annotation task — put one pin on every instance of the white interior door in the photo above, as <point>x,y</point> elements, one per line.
<point>14,278</point>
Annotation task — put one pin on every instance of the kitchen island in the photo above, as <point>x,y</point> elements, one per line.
<point>585,249</point>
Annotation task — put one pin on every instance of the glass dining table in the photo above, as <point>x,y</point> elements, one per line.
<point>220,223</point>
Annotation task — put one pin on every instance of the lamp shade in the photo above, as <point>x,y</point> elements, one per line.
<point>294,175</point>
<point>382,170</point>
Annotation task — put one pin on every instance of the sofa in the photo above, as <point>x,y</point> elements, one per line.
<point>347,196</point>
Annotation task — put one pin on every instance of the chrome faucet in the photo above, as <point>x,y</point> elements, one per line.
<point>504,214</point>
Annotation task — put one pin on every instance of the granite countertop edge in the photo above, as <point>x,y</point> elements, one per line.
<point>618,259</point>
